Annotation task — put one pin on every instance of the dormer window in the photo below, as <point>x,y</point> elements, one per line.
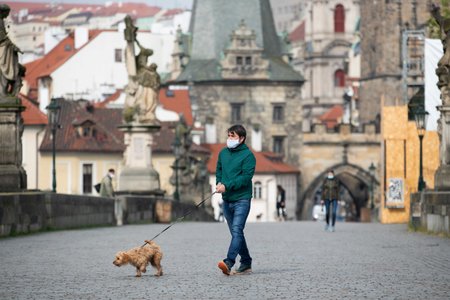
<point>243,58</point>
<point>86,129</point>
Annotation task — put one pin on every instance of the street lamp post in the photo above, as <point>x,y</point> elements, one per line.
<point>54,111</point>
<point>421,117</point>
<point>372,169</point>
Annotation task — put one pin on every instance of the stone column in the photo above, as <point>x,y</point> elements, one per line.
<point>442,175</point>
<point>13,177</point>
<point>138,174</point>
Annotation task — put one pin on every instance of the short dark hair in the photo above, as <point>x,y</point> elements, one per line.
<point>239,130</point>
<point>111,171</point>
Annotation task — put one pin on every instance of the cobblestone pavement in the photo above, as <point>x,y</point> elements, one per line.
<point>291,260</point>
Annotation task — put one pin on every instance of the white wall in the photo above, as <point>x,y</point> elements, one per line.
<point>170,26</point>
<point>95,64</point>
<point>31,139</point>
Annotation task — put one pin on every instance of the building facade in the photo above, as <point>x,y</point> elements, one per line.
<point>381,62</point>
<point>236,67</point>
<point>89,64</point>
<point>326,34</point>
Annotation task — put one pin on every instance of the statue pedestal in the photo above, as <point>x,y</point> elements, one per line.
<point>13,177</point>
<point>138,174</point>
<point>442,178</point>
<point>442,175</point>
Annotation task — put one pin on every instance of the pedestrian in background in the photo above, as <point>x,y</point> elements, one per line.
<point>234,173</point>
<point>330,193</point>
<point>220,218</point>
<point>106,187</point>
<point>281,203</point>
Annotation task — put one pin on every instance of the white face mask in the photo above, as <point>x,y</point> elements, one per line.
<point>111,175</point>
<point>232,143</point>
<point>330,176</point>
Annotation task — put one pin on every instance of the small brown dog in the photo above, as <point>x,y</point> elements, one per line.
<point>140,257</point>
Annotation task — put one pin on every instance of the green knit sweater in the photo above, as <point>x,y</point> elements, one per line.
<point>235,169</point>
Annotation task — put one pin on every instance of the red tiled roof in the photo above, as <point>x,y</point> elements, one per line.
<point>54,59</point>
<point>108,137</point>
<point>264,165</point>
<point>332,117</point>
<point>172,12</point>
<point>136,10</point>
<point>179,103</point>
<point>32,115</point>
<point>110,99</point>
<point>298,34</point>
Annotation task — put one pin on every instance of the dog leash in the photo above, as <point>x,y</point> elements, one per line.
<point>180,218</point>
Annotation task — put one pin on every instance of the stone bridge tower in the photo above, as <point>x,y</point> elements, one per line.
<point>238,72</point>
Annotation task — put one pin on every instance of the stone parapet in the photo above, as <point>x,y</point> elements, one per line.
<point>430,210</point>
<point>32,212</point>
<point>344,134</point>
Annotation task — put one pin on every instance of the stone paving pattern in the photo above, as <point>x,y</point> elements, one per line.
<point>291,260</point>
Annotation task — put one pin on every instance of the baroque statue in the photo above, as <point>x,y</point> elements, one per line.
<point>143,80</point>
<point>443,73</point>
<point>11,71</point>
<point>443,70</point>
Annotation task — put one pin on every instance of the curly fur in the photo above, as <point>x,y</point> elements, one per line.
<point>140,257</point>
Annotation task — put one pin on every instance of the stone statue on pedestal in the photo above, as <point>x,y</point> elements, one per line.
<point>140,123</point>
<point>10,69</point>
<point>442,177</point>
<point>13,177</point>
<point>144,81</point>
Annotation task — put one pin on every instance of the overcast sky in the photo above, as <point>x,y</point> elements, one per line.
<point>161,3</point>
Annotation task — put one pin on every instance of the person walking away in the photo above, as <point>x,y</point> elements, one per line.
<point>106,187</point>
<point>234,173</point>
<point>281,203</point>
<point>330,193</point>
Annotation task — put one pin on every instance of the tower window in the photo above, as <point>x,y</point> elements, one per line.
<point>339,18</point>
<point>339,78</point>
<point>278,144</point>
<point>236,112</point>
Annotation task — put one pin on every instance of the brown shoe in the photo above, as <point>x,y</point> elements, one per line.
<point>223,266</point>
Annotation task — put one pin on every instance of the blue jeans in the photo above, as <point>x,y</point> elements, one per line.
<point>236,214</point>
<point>327,209</point>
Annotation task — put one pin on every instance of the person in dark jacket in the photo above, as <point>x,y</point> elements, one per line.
<point>234,173</point>
<point>330,193</point>
<point>281,203</point>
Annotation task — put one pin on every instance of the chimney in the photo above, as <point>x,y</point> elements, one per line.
<point>81,37</point>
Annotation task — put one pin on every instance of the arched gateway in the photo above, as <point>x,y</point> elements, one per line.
<point>355,190</point>
<point>349,154</point>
